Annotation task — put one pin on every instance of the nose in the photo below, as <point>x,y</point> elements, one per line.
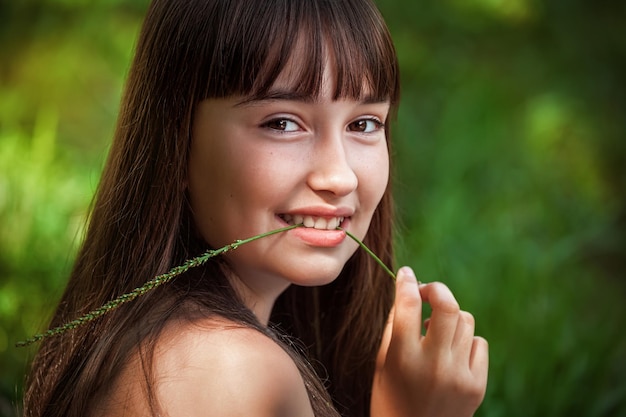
<point>331,170</point>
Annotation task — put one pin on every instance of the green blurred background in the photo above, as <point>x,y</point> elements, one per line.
<point>510,180</point>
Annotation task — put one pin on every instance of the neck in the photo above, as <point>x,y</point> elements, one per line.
<point>262,311</point>
<point>260,300</point>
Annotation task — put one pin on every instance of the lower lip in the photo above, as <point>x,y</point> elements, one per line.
<point>318,237</point>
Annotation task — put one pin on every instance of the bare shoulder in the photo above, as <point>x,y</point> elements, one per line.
<point>215,368</point>
<point>230,370</point>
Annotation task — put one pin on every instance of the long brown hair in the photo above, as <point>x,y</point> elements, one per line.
<point>140,225</point>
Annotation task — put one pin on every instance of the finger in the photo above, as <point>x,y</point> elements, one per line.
<point>407,322</point>
<point>445,313</point>
<point>479,359</point>
<point>464,335</point>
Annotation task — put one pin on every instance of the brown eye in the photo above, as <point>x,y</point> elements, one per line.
<point>282,125</point>
<point>365,125</point>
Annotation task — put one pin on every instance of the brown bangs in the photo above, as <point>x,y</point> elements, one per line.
<point>252,42</point>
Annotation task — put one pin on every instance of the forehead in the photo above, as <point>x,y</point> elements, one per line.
<point>307,47</point>
<point>313,78</point>
<point>295,69</point>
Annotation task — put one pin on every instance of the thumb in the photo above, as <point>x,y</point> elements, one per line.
<point>407,320</point>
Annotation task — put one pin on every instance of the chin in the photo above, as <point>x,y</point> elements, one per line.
<point>315,282</point>
<point>317,276</point>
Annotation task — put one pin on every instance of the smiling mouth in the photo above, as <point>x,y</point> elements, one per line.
<point>321,223</point>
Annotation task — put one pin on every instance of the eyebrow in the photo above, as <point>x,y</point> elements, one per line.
<point>289,95</point>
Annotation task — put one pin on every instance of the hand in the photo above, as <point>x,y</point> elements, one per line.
<point>441,374</point>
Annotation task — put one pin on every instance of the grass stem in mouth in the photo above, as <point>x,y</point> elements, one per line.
<point>171,274</point>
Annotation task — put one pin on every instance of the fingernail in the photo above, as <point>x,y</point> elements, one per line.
<point>408,271</point>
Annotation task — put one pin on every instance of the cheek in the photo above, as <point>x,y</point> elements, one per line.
<point>373,177</point>
<point>221,175</point>
<point>212,180</point>
<point>263,179</point>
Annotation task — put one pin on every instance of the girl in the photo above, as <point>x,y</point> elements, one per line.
<point>241,117</point>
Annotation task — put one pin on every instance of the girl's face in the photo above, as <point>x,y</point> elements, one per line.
<point>259,165</point>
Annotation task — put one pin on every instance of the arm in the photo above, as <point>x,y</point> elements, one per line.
<point>441,374</point>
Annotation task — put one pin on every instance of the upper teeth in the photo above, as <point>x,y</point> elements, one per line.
<point>323,223</point>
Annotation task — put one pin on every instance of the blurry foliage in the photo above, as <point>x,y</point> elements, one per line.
<point>511,189</point>
<point>510,146</point>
